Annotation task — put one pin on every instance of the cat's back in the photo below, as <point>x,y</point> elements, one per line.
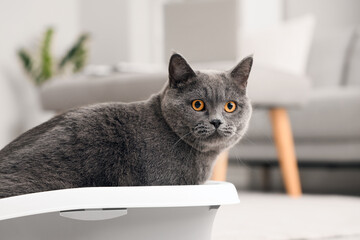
<point>78,129</point>
<point>85,146</point>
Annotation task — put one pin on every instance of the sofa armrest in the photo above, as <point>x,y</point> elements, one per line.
<point>63,94</point>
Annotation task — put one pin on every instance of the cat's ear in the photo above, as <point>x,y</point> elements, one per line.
<point>240,73</point>
<point>179,71</point>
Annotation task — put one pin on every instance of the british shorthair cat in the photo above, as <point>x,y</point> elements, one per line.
<point>173,138</point>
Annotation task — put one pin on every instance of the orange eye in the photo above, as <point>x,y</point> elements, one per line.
<point>230,106</point>
<point>198,105</point>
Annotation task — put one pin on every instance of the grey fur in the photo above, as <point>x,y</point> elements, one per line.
<point>161,141</point>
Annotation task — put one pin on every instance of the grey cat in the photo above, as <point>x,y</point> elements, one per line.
<point>173,138</point>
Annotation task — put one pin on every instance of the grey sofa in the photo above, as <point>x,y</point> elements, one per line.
<point>324,118</point>
<point>327,128</point>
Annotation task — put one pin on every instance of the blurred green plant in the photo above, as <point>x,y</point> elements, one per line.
<point>42,65</point>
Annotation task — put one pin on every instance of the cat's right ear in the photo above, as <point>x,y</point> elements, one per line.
<point>179,71</point>
<point>240,73</point>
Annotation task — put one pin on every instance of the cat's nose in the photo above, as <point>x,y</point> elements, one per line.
<point>216,122</point>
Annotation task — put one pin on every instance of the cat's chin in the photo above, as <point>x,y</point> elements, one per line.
<point>214,142</point>
<point>211,146</point>
<point>216,136</point>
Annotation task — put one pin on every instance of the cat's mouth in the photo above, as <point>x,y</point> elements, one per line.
<point>220,134</point>
<point>213,133</point>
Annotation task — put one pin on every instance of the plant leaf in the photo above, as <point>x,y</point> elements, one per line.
<point>46,64</point>
<point>77,54</point>
<point>26,60</point>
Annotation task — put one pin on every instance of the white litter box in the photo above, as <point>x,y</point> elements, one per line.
<point>107,213</point>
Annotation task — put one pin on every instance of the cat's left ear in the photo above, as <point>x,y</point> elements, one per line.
<point>179,71</point>
<point>241,72</point>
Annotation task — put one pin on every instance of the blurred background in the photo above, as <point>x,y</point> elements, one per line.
<point>54,52</point>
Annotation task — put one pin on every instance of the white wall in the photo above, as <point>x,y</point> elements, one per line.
<point>143,31</point>
<point>212,30</point>
<point>257,15</point>
<point>124,30</point>
<point>329,13</point>
<point>108,23</point>
<point>22,24</point>
<point>201,30</point>
<point>146,31</point>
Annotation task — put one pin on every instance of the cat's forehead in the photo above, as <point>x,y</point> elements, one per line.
<point>210,77</point>
<point>214,84</point>
<point>213,78</point>
<point>210,74</point>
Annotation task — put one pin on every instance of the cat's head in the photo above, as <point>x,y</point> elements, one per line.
<point>207,109</point>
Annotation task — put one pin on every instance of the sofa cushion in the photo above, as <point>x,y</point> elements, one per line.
<point>353,74</point>
<point>332,114</point>
<point>285,46</point>
<point>342,151</point>
<point>268,87</point>
<point>328,55</point>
